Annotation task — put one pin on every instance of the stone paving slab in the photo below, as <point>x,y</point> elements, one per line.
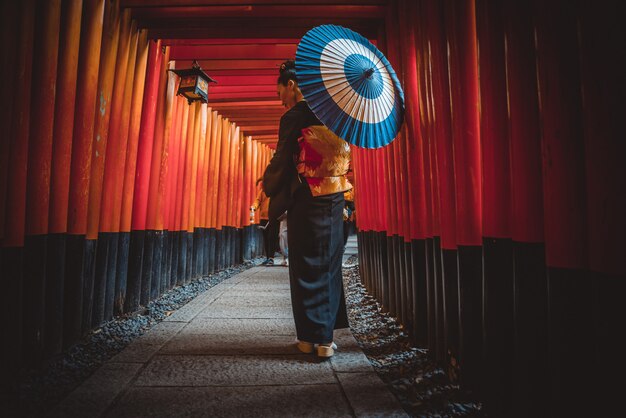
<point>231,353</point>
<point>368,396</point>
<point>93,397</point>
<point>175,370</point>
<point>253,401</point>
<point>256,326</point>
<point>144,347</point>
<point>233,344</point>
<point>251,312</point>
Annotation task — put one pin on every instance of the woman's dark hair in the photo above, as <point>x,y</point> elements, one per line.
<point>287,72</point>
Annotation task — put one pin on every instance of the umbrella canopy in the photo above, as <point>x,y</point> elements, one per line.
<point>350,86</point>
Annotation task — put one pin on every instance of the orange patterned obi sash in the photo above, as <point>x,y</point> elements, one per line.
<point>324,161</point>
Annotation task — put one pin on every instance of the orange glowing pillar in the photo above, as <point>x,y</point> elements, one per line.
<point>134,126</point>
<point>146,137</point>
<point>86,92</point>
<point>180,183</point>
<point>48,18</point>
<point>216,132</point>
<point>108,56</point>
<point>64,114</point>
<point>116,148</point>
<point>159,160</point>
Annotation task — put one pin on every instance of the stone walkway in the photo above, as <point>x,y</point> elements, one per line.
<point>230,353</point>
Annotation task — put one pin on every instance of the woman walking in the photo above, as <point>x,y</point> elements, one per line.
<point>307,176</point>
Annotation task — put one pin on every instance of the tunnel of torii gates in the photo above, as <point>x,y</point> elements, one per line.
<point>492,227</point>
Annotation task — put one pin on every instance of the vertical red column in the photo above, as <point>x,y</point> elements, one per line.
<point>64,115</point>
<point>462,61</point>
<point>493,122</point>
<point>146,137</point>
<point>215,167</point>
<point>174,150</point>
<point>48,16</point>
<point>134,127</point>
<point>465,121</point>
<point>563,149</point>
<point>530,368</point>
<point>87,84</point>
<point>9,29</point>
<point>180,173</point>
<point>160,160</point>
<point>115,143</point>
<point>206,133</point>
<point>106,80</point>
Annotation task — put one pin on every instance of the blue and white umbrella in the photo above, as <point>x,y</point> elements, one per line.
<point>350,86</point>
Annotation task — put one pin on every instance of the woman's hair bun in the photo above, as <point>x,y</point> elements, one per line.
<point>287,65</point>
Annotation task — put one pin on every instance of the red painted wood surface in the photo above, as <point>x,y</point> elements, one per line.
<point>106,81</point>
<point>203,169</point>
<point>461,26</point>
<point>159,163</point>
<point>216,133</point>
<point>495,142</point>
<point>562,136</point>
<point>84,116</point>
<point>14,222</point>
<point>602,75</point>
<point>174,151</point>
<point>69,44</point>
<point>9,19</point>
<point>115,157</point>
<point>46,46</point>
<point>136,106</point>
<point>524,129</point>
<point>146,137</point>
<point>182,159</point>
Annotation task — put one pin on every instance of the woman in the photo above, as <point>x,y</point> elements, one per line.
<point>307,176</point>
<point>262,202</point>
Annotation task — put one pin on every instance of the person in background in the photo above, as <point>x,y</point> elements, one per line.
<point>282,239</point>
<point>348,214</point>
<point>309,169</point>
<point>270,229</point>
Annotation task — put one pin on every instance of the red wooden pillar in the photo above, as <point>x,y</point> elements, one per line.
<point>461,27</point>
<point>193,151</point>
<point>498,263</point>
<point>181,166</point>
<point>138,273</point>
<point>563,150</point>
<point>222,192</point>
<point>47,25</point>
<point>130,168</point>
<point>39,278</point>
<point>10,17</point>
<point>174,151</point>
<point>206,153</point>
<point>116,146</point>
<point>530,368</point>
<point>14,221</point>
<point>87,84</point>
<point>160,161</point>
<point>602,69</point>
<point>106,79</point>
<point>64,115</point>
<point>146,136</point>
<point>215,167</point>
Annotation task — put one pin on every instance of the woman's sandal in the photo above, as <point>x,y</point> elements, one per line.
<point>322,350</point>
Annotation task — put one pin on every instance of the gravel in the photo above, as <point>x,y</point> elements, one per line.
<point>422,387</point>
<point>39,390</point>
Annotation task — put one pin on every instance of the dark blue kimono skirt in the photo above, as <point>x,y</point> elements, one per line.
<point>315,239</point>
